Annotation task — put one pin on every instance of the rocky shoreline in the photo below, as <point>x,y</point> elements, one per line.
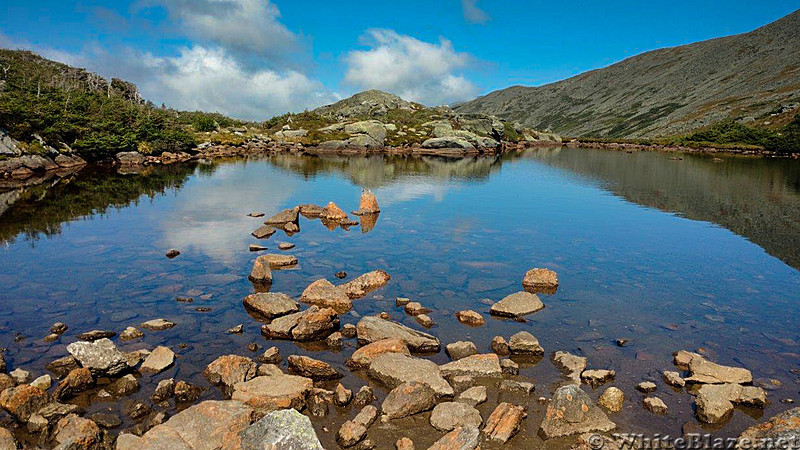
<point>263,397</point>
<point>630,147</point>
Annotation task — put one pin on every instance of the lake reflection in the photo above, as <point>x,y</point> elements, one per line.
<point>669,254</point>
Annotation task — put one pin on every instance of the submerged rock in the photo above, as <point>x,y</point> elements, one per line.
<point>572,412</point>
<point>570,364</point>
<point>278,261</point>
<point>517,304</point>
<point>393,369</point>
<point>363,284</point>
<point>157,325</point>
<point>95,335</point>
<point>408,399</point>
<point>101,357</point>
<point>371,329</point>
<point>270,304</point>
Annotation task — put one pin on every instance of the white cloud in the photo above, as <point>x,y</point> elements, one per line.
<point>472,13</point>
<point>250,27</point>
<point>413,69</point>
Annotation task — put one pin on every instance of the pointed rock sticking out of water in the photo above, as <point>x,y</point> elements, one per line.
<point>540,280</point>
<point>517,304</point>
<point>101,357</point>
<point>312,368</point>
<point>504,422</point>
<point>263,232</point>
<point>332,213</point>
<point>261,272</point>
<point>393,369</point>
<point>270,304</point>
<point>363,284</point>
<point>324,294</point>
<point>572,412</point>
<point>408,399</point>
<point>363,357</point>
<point>285,216</point>
<point>368,203</point>
<point>371,329</point>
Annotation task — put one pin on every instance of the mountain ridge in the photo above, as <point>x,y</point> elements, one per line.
<point>666,91</point>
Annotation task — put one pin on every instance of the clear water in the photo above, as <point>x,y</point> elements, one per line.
<point>671,254</point>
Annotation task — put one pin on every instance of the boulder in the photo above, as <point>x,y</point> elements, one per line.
<point>6,382</point>
<point>714,402</point>
<point>23,400</point>
<point>500,346</point>
<point>470,317</point>
<point>473,396</point>
<point>75,432</point>
<point>517,304</point>
<point>229,370</point>
<point>324,294</point>
<point>363,284</point>
<point>486,365</point>
<point>461,438</point>
<point>158,360</point>
<point>309,325</point>
<point>707,372</point>
<point>363,357</point>
<point>509,367</point>
<point>408,399</point>
<point>448,143</point>
<point>371,329</point>
<point>460,349</point>
<point>210,424</point>
<point>393,369</point>
<point>287,215</point>
<point>572,412</point>
<point>260,273</point>
<point>540,280</point>
<point>77,381</point>
<point>130,158</point>
<point>450,415</point>
<point>278,391</point>
<point>784,427</point>
<point>368,203</point>
<point>312,368</point>
<point>570,364</point>
<point>61,367</point>
<point>524,343</point>
<point>332,213</point>
<point>504,422</point>
<point>373,129</point>
<point>612,399</point>
<point>101,357</point>
<point>270,305</point>
<point>284,429</point>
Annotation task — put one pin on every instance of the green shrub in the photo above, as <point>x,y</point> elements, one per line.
<point>205,124</point>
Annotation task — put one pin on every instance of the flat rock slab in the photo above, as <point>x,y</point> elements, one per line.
<point>363,284</point>
<point>408,399</point>
<point>473,396</point>
<point>486,365</point>
<point>449,415</point>
<point>157,325</point>
<point>572,412</point>
<point>707,372</point>
<point>284,429</point>
<point>324,294</point>
<point>270,304</point>
<point>278,391</point>
<point>714,402</point>
<point>571,365</point>
<point>287,215</point>
<point>393,369</point>
<point>517,304</point>
<point>278,261</point>
<point>504,422</point>
<point>211,424</point>
<point>263,232</point>
<point>158,360</point>
<point>371,329</point>
<point>101,357</point>
<point>363,357</point>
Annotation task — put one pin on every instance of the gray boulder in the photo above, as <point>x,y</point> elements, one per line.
<point>101,357</point>
<point>572,412</point>
<point>284,429</point>
<point>448,142</point>
<point>393,369</point>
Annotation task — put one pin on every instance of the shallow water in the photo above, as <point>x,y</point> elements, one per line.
<point>671,254</point>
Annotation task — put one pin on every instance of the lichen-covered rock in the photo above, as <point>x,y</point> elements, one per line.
<point>75,432</point>
<point>332,213</point>
<point>368,203</point>
<point>784,427</point>
<point>612,399</point>
<point>101,357</point>
<point>572,412</point>
<point>461,438</point>
<point>23,400</point>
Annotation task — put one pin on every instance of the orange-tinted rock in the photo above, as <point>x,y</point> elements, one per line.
<point>540,280</point>
<point>324,294</point>
<point>23,400</point>
<point>76,382</point>
<point>470,317</point>
<point>261,272</point>
<point>279,391</point>
<point>504,422</point>
<point>331,212</point>
<point>368,204</point>
<point>364,356</point>
<point>365,283</point>
<point>312,368</point>
<point>230,369</point>
<point>76,432</point>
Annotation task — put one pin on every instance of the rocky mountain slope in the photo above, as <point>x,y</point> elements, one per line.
<point>668,91</point>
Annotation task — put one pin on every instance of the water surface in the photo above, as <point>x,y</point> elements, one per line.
<point>671,254</point>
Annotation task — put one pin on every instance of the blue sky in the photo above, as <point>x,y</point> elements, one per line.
<point>256,58</point>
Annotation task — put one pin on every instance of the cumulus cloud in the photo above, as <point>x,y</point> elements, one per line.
<point>251,27</point>
<point>472,13</point>
<point>413,69</point>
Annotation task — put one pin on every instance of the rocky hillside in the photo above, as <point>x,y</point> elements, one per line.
<point>748,77</point>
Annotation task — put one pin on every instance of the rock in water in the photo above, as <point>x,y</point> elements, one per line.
<point>473,396</point>
<point>524,343</point>
<point>516,305</point>
<point>368,204</point>
<point>570,364</point>
<point>572,412</point>
<point>408,399</point>
<point>230,369</point>
<point>270,304</point>
<point>270,392</point>
<point>707,372</point>
<point>449,415</point>
<point>283,217</point>
<point>172,253</point>
<point>714,402</point>
<point>655,405</point>
<point>784,427</point>
<point>612,399</point>
<point>504,422</point>
<point>460,349</point>
<point>101,357</point>
<point>470,317</point>
<point>284,429</point>
<point>158,360</point>
<point>278,261</point>
<point>312,324</point>
<point>540,280</point>
<point>360,286</point>
<point>461,438</point>
<point>261,272</point>
<point>363,357</point>
<point>312,368</point>
<point>332,213</point>
<point>22,401</point>
<point>392,369</point>
<point>596,377</point>
<point>263,232</point>
<point>324,294</point>
<point>486,365</point>
<point>210,424</point>
<point>371,329</point>
<point>157,325</point>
